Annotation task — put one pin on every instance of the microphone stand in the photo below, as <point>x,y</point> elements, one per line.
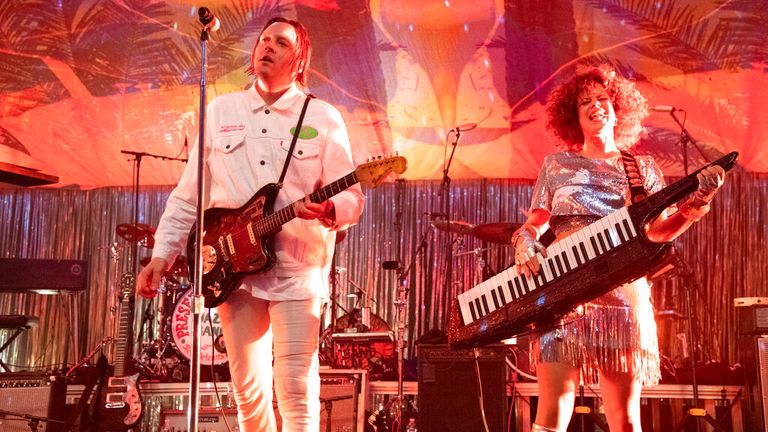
<point>197,298</point>
<point>445,197</point>
<point>686,138</point>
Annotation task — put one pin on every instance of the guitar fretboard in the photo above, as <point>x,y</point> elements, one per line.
<point>272,223</point>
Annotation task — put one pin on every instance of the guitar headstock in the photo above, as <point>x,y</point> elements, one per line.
<point>127,285</point>
<point>374,172</point>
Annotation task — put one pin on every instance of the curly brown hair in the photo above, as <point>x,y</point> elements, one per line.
<point>630,107</point>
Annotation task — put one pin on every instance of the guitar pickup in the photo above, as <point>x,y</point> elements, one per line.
<point>115,400</point>
<point>251,235</point>
<point>231,244</point>
<point>223,249</point>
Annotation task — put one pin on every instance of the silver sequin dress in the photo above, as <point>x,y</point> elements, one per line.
<point>617,331</point>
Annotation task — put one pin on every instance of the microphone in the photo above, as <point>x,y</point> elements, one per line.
<point>390,265</point>
<point>466,127</point>
<point>208,19</point>
<point>663,108</point>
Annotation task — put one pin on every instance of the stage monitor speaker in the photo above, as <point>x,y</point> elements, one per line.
<point>31,395</point>
<point>753,353</point>
<point>448,389</point>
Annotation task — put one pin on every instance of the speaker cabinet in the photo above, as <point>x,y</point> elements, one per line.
<point>449,392</point>
<point>32,395</point>
<point>753,352</point>
<point>342,407</point>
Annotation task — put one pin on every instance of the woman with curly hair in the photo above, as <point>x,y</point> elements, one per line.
<point>612,339</point>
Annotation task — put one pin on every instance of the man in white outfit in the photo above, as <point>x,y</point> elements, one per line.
<point>274,315</point>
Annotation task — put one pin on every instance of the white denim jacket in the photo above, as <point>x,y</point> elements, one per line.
<point>246,146</point>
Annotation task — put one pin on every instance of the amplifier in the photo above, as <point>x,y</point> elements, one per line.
<point>752,315</point>
<point>18,274</point>
<point>208,419</point>
<point>449,385</point>
<point>32,395</point>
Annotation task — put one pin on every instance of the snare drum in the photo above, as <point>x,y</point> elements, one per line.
<point>182,324</point>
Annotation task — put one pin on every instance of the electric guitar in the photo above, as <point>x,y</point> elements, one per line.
<point>237,242</point>
<point>120,403</point>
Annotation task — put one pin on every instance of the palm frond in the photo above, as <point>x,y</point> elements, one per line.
<point>683,40</point>
<point>226,52</point>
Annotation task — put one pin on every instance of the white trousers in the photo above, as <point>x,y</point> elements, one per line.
<point>252,328</point>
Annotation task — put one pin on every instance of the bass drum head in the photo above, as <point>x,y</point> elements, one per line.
<point>211,341</point>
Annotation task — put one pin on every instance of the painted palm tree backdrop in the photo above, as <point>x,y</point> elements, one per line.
<point>82,80</point>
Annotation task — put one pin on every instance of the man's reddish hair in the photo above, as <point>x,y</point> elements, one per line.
<point>303,49</point>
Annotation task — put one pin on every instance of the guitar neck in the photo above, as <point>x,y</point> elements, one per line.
<point>272,223</point>
<point>123,349</point>
<point>653,205</point>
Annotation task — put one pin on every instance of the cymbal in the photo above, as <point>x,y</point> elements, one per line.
<point>141,233</point>
<point>499,232</point>
<point>458,227</point>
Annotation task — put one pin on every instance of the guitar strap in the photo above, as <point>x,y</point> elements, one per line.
<point>636,189</point>
<point>296,133</point>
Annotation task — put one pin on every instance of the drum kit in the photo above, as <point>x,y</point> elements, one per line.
<point>165,354</point>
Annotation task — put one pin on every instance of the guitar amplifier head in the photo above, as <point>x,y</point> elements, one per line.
<point>31,395</point>
<point>752,315</point>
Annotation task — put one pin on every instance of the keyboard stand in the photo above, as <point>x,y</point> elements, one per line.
<point>19,323</point>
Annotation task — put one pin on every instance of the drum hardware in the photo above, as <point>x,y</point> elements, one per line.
<point>141,234</point>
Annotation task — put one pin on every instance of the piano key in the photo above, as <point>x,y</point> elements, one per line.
<point>620,230</point>
<point>577,254</point>
<point>560,268</point>
<point>586,246</point>
<point>495,298</point>
<point>607,235</point>
<point>466,310</point>
<point>553,269</point>
<point>502,297</point>
<point>602,242</point>
<point>568,260</point>
<point>519,292</point>
<point>485,304</point>
<point>479,307</point>
<point>473,312</point>
<point>544,268</point>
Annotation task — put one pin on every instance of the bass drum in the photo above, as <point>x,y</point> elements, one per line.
<point>212,350</point>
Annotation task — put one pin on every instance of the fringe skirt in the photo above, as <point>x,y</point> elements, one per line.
<point>616,332</point>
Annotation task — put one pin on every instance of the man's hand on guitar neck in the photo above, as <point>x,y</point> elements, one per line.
<point>148,280</point>
<point>325,212</point>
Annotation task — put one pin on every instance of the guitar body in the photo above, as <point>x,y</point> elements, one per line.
<point>228,258</point>
<point>238,242</point>
<point>119,406</point>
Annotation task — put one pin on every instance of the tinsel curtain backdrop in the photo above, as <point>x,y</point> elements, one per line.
<point>726,252</point>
